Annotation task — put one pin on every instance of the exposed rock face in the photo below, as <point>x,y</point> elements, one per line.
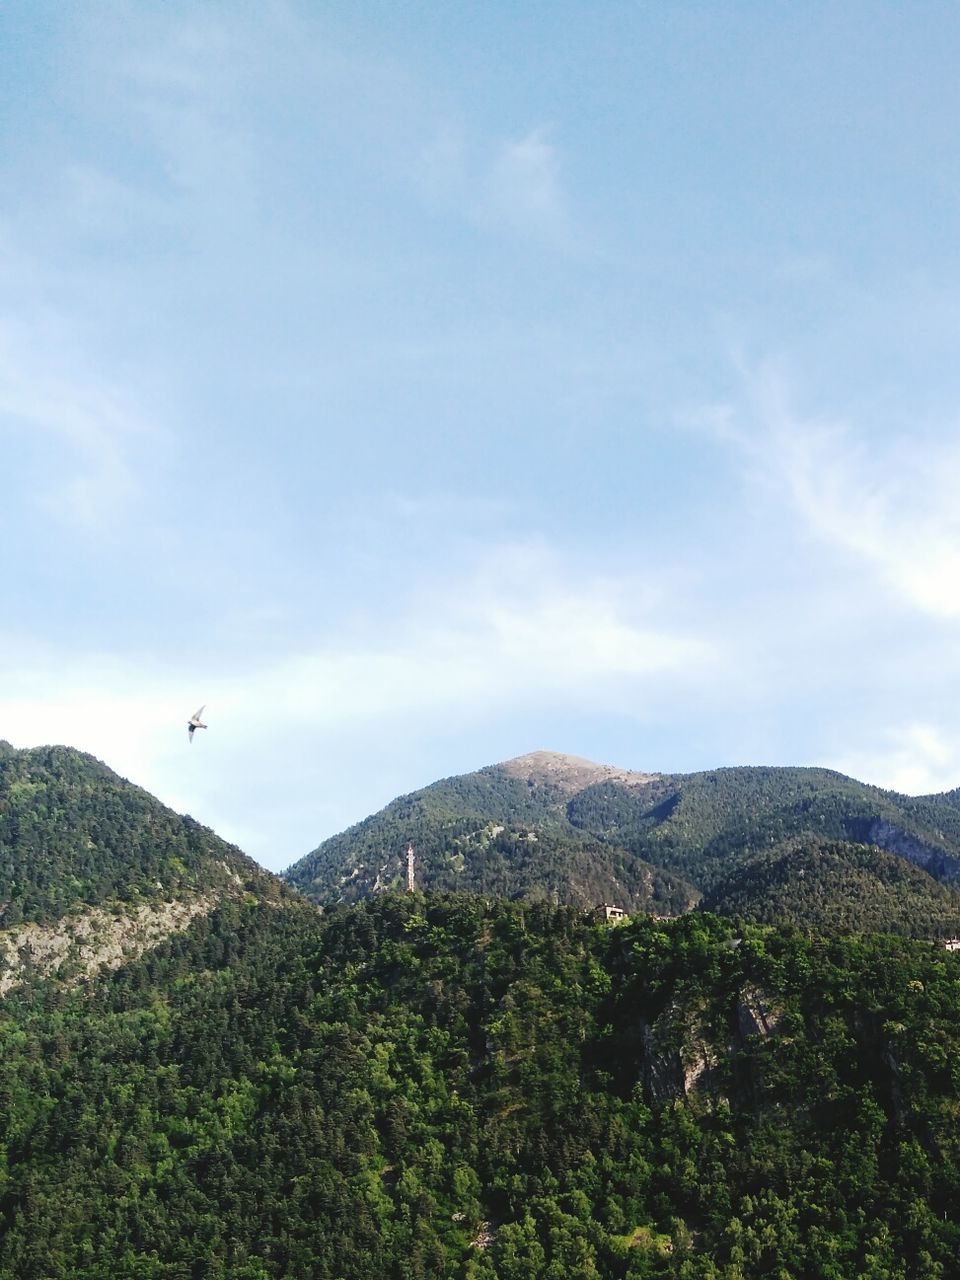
<point>698,1066</point>
<point>755,1017</point>
<point>663,1075</point>
<point>939,863</point>
<point>94,940</point>
<point>679,1056</point>
<point>571,773</point>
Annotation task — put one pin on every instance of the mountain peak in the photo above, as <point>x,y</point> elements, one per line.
<point>570,773</point>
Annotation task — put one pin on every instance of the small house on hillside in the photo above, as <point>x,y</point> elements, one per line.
<point>607,913</point>
<point>952,944</point>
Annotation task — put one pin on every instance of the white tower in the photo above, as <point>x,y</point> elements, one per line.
<point>410,868</point>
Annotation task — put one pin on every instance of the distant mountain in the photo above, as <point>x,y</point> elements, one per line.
<point>503,831</point>
<point>566,829</point>
<point>94,870</point>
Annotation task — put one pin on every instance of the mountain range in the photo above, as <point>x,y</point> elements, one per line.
<point>805,844</point>
<point>202,1074</point>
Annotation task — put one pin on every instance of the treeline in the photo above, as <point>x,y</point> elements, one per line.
<point>441,1086</point>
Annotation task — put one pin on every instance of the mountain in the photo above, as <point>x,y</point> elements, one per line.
<point>572,831</point>
<point>504,831</point>
<point>93,869</point>
<point>203,1075</point>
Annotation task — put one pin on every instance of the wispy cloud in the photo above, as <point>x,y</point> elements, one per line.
<point>515,631</point>
<point>86,423</point>
<point>523,188</point>
<point>512,185</point>
<point>889,504</point>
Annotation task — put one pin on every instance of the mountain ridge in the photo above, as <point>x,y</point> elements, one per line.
<point>558,826</point>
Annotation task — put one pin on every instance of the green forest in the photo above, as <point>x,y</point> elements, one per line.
<point>755,1076</point>
<point>448,1086</point>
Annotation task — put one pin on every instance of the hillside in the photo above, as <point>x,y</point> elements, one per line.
<point>834,885</point>
<point>441,1088</point>
<point>94,870</point>
<point>572,831</point>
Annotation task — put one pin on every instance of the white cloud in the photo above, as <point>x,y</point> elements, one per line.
<point>523,191</point>
<point>513,185</point>
<point>914,759</point>
<point>891,505</point>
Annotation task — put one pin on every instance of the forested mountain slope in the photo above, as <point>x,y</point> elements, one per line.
<point>93,869</point>
<point>443,1088</point>
<point>830,886</point>
<point>502,831</point>
<point>575,832</point>
<point>699,824</point>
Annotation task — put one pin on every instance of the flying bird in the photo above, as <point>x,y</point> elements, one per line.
<point>195,722</point>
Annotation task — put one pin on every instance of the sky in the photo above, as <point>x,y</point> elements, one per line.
<point>417,385</point>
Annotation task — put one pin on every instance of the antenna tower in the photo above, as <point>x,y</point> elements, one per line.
<point>410,868</point>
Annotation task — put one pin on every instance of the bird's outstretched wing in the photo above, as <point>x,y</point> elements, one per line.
<point>195,723</point>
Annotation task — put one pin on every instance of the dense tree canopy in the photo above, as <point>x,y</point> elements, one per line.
<point>832,885</point>
<point>443,1086</point>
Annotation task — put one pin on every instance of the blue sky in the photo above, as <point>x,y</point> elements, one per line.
<point>418,385</point>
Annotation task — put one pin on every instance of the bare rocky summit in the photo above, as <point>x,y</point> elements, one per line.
<point>571,773</point>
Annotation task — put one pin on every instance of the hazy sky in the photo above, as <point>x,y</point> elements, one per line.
<point>421,384</point>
